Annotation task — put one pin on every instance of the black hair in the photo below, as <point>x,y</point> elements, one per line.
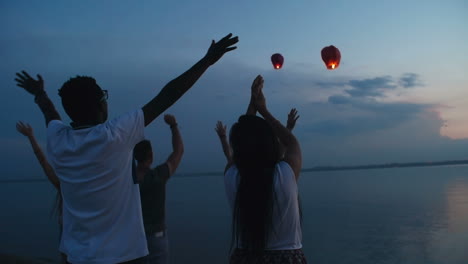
<point>255,154</point>
<point>142,150</point>
<point>81,98</point>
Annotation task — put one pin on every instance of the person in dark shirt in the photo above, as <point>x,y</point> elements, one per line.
<point>153,191</point>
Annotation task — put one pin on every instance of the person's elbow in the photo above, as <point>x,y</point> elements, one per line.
<point>181,150</point>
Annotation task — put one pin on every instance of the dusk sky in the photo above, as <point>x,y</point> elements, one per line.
<point>399,95</point>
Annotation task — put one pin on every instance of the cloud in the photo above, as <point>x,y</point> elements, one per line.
<point>339,99</point>
<point>371,87</point>
<point>362,112</point>
<point>330,84</point>
<point>410,80</point>
<point>346,116</point>
<point>365,117</point>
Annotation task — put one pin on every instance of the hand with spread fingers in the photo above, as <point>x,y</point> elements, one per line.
<point>24,128</point>
<point>36,88</point>
<point>220,129</point>
<point>218,49</point>
<point>292,118</point>
<point>28,83</point>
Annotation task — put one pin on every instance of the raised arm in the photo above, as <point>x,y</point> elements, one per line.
<point>293,154</point>
<point>177,145</point>
<point>36,88</point>
<point>177,87</point>
<point>27,131</point>
<point>221,131</point>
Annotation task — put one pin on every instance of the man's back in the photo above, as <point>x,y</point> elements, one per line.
<point>101,203</point>
<point>153,197</point>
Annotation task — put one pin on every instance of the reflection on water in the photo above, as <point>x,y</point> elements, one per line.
<point>451,242</point>
<point>403,216</point>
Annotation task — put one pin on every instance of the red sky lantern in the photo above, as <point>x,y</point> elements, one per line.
<point>331,56</point>
<point>277,60</point>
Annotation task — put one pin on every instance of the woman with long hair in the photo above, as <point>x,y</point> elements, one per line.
<point>261,186</point>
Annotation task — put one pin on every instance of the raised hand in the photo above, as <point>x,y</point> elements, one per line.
<point>170,120</point>
<point>32,86</point>
<point>257,86</point>
<point>292,118</point>
<point>24,128</point>
<point>257,94</point>
<point>220,129</point>
<point>218,49</point>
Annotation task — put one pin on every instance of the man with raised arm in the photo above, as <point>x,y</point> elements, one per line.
<point>153,192</point>
<point>102,219</point>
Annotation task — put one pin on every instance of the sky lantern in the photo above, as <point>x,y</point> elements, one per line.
<point>277,60</point>
<point>331,56</point>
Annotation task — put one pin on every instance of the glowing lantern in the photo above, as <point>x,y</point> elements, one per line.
<point>277,60</point>
<point>331,56</point>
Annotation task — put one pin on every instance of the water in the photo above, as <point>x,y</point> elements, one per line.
<point>401,215</point>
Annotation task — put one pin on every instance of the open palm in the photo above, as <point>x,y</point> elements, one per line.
<point>28,83</point>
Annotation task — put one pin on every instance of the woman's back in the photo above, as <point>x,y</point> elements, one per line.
<point>285,233</point>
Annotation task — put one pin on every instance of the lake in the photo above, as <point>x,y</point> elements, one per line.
<point>398,215</point>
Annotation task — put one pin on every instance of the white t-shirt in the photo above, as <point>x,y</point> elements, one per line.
<point>102,221</point>
<point>286,220</point>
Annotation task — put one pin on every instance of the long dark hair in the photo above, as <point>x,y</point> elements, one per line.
<point>255,154</point>
<point>57,211</point>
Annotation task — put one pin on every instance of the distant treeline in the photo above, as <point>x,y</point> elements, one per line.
<point>387,165</point>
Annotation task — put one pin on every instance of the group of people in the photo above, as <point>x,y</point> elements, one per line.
<point>112,202</point>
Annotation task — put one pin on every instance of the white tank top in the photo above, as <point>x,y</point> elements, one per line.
<point>286,220</point>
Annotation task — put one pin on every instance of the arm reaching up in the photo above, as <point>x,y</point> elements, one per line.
<point>221,131</point>
<point>36,88</point>
<point>177,145</point>
<point>177,87</point>
<point>293,154</point>
<point>27,131</point>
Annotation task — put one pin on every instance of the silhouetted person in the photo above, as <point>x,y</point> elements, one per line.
<point>27,130</point>
<point>153,192</point>
<point>221,131</point>
<point>262,188</point>
<point>102,219</point>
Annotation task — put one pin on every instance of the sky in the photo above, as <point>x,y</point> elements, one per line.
<point>400,93</point>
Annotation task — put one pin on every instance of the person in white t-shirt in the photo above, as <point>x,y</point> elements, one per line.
<point>102,219</point>
<point>261,187</point>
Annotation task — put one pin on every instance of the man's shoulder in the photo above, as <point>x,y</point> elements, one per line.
<point>135,114</point>
<point>54,127</point>
<point>161,172</point>
<point>55,123</point>
<point>157,175</point>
